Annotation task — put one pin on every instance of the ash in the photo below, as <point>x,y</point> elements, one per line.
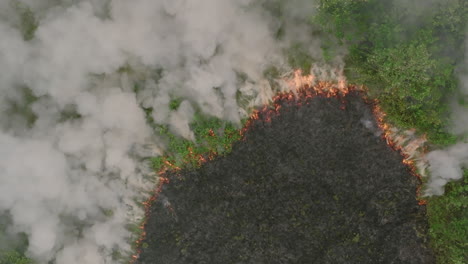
<point>313,185</point>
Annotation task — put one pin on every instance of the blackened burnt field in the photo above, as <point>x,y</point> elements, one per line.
<point>315,183</point>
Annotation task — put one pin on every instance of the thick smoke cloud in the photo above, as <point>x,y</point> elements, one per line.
<point>446,165</point>
<point>73,132</point>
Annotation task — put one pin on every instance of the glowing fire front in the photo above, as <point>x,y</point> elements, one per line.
<point>300,89</point>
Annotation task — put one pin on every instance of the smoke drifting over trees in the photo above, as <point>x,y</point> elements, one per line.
<point>75,78</point>
<point>72,128</point>
<point>79,81</point>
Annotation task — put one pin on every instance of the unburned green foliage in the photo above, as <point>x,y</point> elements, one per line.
<point>448,219</point>
<point>17,246</point>
<point>28,22</point>
<point>174,104</point>
<point>212,137</point>
<point>298,57</point>
<point>14,257</point>
<point>411,86</point>
<point>22,107</point>
<point>405,56</point>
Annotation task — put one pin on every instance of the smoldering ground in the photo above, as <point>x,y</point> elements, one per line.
<point>313,185</point>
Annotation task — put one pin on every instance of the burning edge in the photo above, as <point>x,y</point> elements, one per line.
<point>300,89</point>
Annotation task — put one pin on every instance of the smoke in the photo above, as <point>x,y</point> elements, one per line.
<point>448,164</point>
<point>460,109</point>
<point>75,78</point>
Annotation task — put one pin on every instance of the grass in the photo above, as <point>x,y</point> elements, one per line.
<point>14,257</point>
<point>17,246</point>
<point>448,220</point>
<point>212,137</point>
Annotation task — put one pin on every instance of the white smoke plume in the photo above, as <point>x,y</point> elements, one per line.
<point>447,165</point>
<point>72,127</point>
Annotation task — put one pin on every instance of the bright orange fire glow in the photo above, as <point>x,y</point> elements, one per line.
<point>408,144</point>
<point>300,86</point>
<point>299,80</point>
<point>147,206</point>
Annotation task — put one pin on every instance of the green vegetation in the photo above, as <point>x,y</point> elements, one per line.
<point>13,257</point>
<point>212,137</point>
<point>28,22</point>
<point>17,245</point>
<point>174,104</point>
<point>448,219</point>
<point>23,107</point>
<point>404,53</point>
<point>298,58</point>
<point>411,86</point>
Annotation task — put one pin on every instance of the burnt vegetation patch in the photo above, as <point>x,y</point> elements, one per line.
<point>314,183</point>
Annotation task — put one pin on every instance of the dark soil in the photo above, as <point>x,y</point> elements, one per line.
<point>313,185</point>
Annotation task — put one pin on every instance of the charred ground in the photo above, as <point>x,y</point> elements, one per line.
<point>315,184</point>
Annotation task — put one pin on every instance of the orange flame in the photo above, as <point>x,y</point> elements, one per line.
<point>299,80</point>
<point>163,179</point>
<point>408,144</point>
<point>147,205</point>
<point>300,86</point>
